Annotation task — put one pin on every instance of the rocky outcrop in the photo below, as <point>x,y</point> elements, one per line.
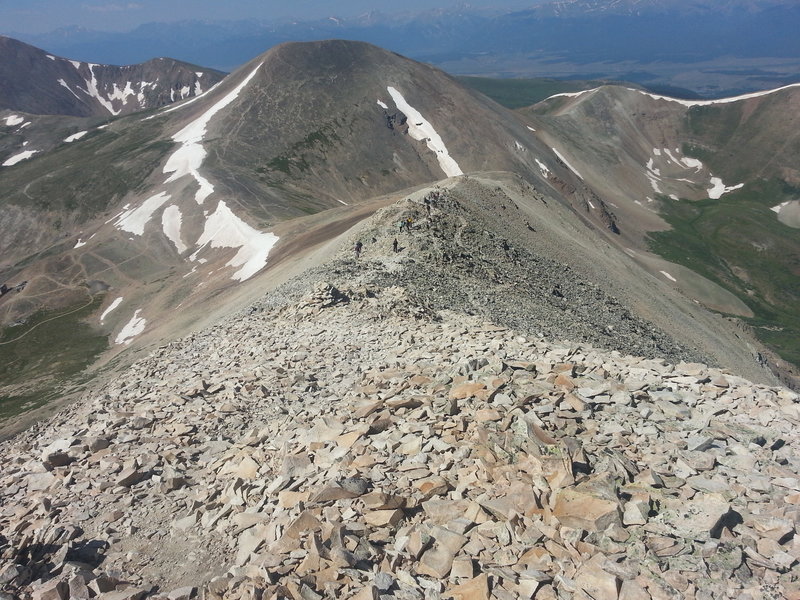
<point>358,444</point>
<point>469,250</point>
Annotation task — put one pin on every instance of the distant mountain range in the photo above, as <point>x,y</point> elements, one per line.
<point>711,47</point>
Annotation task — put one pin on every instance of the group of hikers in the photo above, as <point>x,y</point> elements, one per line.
<point>360,246</point>
<point>404,224</point>
<point>407,223</point>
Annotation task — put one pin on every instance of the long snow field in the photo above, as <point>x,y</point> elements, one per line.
<point>17,158</point>
<point>421,129</point>
<point>110,308</point>
<point>187,159</point>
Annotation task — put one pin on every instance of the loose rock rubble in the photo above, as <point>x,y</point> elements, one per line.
<point>470,249</point>
<point>357,444</point>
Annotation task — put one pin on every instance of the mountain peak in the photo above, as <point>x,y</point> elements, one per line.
<point>35,82</point>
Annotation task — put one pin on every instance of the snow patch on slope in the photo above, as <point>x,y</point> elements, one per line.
<point>17,158</point>
<point>132,328</point>
<point>668,152</point>
<point>543,168</point>
<point>75,136</point>
<point>668,276</point>
<point>777,209</point>
<point>143,85</point>
<point>121,94</point>
<point>91,90</point>
<point>183,104</point>
<point>135,219</point>
<point>71,91</point>
<point>224,229</point>
<point>110,308</point>
<point>14,120</point>
<point>171,222</point>
<point>421,129</point>
<point>718,188</point>
<point>654,183</point>
<point>692,163</point>
<point>206,189</point>
<point>566,162</point>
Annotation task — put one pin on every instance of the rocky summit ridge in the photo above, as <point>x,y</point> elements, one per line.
<point>349,438</point>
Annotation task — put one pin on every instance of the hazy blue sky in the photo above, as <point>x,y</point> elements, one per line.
<point>36,16</point>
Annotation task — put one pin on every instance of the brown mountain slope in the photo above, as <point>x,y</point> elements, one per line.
<point>710,185</point>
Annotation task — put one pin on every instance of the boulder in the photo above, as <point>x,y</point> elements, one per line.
<point>476,588</point>
<point>584,510</point>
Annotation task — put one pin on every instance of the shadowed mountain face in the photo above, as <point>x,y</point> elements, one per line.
<point>34,82</point>
<point>712,186</point>
<point>174,216</point>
